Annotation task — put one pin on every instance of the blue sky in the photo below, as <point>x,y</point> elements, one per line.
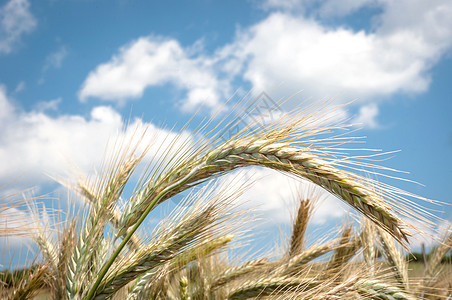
<point>73,72</point>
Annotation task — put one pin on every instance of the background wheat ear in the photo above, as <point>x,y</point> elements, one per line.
<point>369,245</point>
<point>395,257</point>
<point>300,225</point>
<point>438,253</point>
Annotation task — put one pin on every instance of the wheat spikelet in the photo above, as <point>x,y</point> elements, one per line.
<point>270,287</point>
<point>372,289</point>
<point>30,285</point>
<point>395,258</point>
<point>234,273</point>
<point>64,253</point>
<point>299,227</point>
<point>294,264</point>
<point>183,283</point>
<point>339,291</point>
<point>438,254</point>
<point>347,247</point>
<point>115,214</point>
<point>149,285</point>
<point>102,197</point>
<point>368,237</point>
<point>192,255</point>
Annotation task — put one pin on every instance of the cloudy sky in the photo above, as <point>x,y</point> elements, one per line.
<point>72,73</point>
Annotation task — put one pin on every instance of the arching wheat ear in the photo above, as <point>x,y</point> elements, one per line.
<point>294,144</point>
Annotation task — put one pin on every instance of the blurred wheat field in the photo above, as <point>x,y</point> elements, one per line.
<point>101,251</point>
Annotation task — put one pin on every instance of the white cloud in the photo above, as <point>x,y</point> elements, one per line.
<point>55,59</point>
<point>34,145</point>
<point>324,62</point>
<point>15,20</point>
<point>367,116</point>
<point>295,48</point>
<point>152,61</point>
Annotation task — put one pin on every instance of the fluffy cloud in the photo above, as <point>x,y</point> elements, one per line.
<point>15,20</point>
<point>303,54</point>
<point>152,61</point>
<point>367,116</point>
<point>294,47</point>
<point>34,145</point>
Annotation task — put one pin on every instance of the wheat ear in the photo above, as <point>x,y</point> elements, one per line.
<point>298,261</point>
<point>438,254</point>
<point>339,291</point>
<point>234,273</point>
<point>394,257</point>
<point>372,289</point>
<point>270,287</point>
<point>299,227</point>
<point>65,249</point>
<point>368,237</point>
<point>202,250</point>
<point>29,286</point>
<point>347,247</point>
<point>280,157</point>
